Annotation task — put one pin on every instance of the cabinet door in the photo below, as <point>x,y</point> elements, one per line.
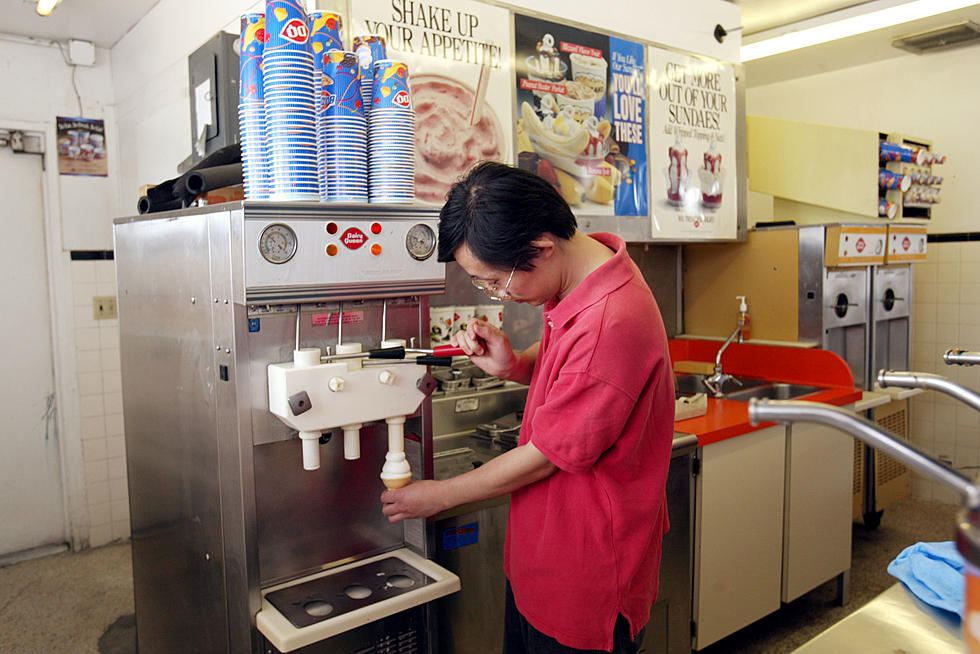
<point>739,532</point>
<point>819,495</point>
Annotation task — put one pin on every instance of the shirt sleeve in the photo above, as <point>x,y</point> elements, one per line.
<point>581,418</point>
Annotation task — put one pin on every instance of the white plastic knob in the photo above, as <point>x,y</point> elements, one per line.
<point>336,384</point>
<point>386,377</point>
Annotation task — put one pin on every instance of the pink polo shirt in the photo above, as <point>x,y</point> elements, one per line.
<point>583,545</point>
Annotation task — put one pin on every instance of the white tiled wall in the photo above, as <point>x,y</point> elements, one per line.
<point>945,314</point>
<point>100,401</point>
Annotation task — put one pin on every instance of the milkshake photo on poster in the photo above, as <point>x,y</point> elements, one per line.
<point>459,67</point>
<point>581,115</point>
<point>692,146</point>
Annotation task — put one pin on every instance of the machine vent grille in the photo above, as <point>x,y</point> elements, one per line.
<point>887,468</point>
<point>858,467</point>
<point>941,38</point>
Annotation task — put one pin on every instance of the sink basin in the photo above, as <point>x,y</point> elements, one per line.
<point>691,384</point>
<point>776,391</point>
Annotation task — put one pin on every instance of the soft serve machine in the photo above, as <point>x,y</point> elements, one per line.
<point>272,372</point>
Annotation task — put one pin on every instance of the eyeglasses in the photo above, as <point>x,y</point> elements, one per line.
<point>490,288</point>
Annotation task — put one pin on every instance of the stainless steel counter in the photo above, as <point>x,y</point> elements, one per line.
<point>895,621</point>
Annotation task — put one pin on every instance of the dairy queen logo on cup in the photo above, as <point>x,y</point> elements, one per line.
<point>295,30</point>
<point>402,99</point>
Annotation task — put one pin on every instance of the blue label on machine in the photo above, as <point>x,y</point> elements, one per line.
<point>253,324</point>
<point>461,536</point>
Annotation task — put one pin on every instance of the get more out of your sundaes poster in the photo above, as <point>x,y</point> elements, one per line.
<point>692,147</point>
<point>459,65</point>
<point>581,115</point>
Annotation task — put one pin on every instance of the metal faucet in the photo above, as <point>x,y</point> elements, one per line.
<point>716,381</point>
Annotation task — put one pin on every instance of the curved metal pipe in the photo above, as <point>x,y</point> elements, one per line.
<point>929,381</point>
<point>960,357</point>
<point>867,432</point>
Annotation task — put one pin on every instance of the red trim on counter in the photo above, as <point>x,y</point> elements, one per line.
<point>728,418</point>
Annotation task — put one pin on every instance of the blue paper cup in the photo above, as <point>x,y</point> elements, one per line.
<point>250,72</point>
<point>287,26</point>
<point>341,85</point>
<point>326,33</point>
<point>390,89</point>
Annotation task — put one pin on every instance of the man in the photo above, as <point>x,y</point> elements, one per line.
<point>588,507</point>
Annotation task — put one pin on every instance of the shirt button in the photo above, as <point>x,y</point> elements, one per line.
<point>550,324</point>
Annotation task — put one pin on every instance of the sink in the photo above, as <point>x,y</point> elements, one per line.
<point>776,391</point>
<point>691,384</point>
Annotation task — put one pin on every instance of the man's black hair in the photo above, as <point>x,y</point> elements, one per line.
<point>497,210</point>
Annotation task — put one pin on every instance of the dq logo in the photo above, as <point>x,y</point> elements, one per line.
<point>860,245</point>
<point>353,238</point>
<point>906,243</point>
<point>329,100</point>
<point>295,31</point>
<point>402,99</point>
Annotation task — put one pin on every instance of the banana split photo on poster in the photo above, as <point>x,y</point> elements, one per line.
<point>581,115</point>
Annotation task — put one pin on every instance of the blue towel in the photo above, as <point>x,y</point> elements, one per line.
<point>933,572</point>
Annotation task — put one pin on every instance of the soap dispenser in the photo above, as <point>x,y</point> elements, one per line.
<point>743,319</point>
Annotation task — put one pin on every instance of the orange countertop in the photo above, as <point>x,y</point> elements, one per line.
<point>728,418</point>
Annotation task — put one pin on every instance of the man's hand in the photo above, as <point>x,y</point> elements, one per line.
<point>420,499</point>
<point>489,348</point>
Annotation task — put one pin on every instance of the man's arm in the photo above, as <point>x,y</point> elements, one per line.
<point>513,469</point>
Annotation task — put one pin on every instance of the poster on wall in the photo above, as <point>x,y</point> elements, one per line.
<point>692,147</point>
<point>581,115</point>
<point>81,147</point>
<point>459,64</point>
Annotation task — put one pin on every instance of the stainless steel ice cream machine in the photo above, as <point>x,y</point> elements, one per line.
<point>274,382</point>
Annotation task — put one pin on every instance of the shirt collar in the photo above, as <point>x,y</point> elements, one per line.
<point>601,282</point>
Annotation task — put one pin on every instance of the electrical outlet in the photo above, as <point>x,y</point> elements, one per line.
<point>104,307</point>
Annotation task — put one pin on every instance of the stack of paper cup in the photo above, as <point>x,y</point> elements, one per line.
<point>462,317</point>
<point>440,324</point>
<point>344,130</point>
<point>287,64</point>
<point>490,313</point>
<point>369,48</point>
<point>251,109</point>
<point>325,35</point>
<point>391,135</point>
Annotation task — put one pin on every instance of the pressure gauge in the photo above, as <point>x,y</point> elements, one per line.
<point>277,243</point>
<point>421,241</point>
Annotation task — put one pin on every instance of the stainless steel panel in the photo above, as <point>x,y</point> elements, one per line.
<point>845,291</point>
<point>891,345</point>
<point>169,398</point>
<point>462,411</point>
<point>851,344</point>
<point>891,291</point>
<point>810,283</point>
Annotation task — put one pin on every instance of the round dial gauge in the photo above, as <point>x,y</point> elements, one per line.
<point>421,241</point>
<point>277,243</point>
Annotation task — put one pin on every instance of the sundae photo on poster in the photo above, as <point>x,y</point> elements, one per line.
<point>581,115</point>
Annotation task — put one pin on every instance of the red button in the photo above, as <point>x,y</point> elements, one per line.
<point>375,249</point>
<point>376,228</point>
<point>332,250</point>
<point>332,228</point>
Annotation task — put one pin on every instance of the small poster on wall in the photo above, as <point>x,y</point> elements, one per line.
<point>692,147</point>
<point>459,66</point>
<point>581,120</point>
<point>81,147</point>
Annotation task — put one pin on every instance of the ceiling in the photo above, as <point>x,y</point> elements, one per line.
<point>103,22</point>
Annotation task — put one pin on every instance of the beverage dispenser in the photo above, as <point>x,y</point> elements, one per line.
<point>272,388</point>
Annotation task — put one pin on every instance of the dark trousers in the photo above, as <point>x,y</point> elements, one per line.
<point>521,638</point>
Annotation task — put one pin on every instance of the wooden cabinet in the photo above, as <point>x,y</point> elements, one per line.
<point>738,533</point>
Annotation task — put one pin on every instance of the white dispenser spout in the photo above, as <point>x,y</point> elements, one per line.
<point>311,449</point>
<point>396,472</point>
<point>352,441</point>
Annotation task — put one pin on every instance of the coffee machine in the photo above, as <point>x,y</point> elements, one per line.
<point>262,425</point>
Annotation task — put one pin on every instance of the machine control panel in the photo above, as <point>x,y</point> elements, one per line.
<point>326,254</point>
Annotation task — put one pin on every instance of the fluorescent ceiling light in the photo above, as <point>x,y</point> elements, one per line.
<point>45,7</point>
<point>845,27</point>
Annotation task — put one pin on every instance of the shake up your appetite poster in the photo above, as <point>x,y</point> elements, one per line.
<point>581,115</point>
<point>459,66</point>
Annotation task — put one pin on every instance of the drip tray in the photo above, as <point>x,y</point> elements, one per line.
<point>329,597</point>
<point>308,610</point>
